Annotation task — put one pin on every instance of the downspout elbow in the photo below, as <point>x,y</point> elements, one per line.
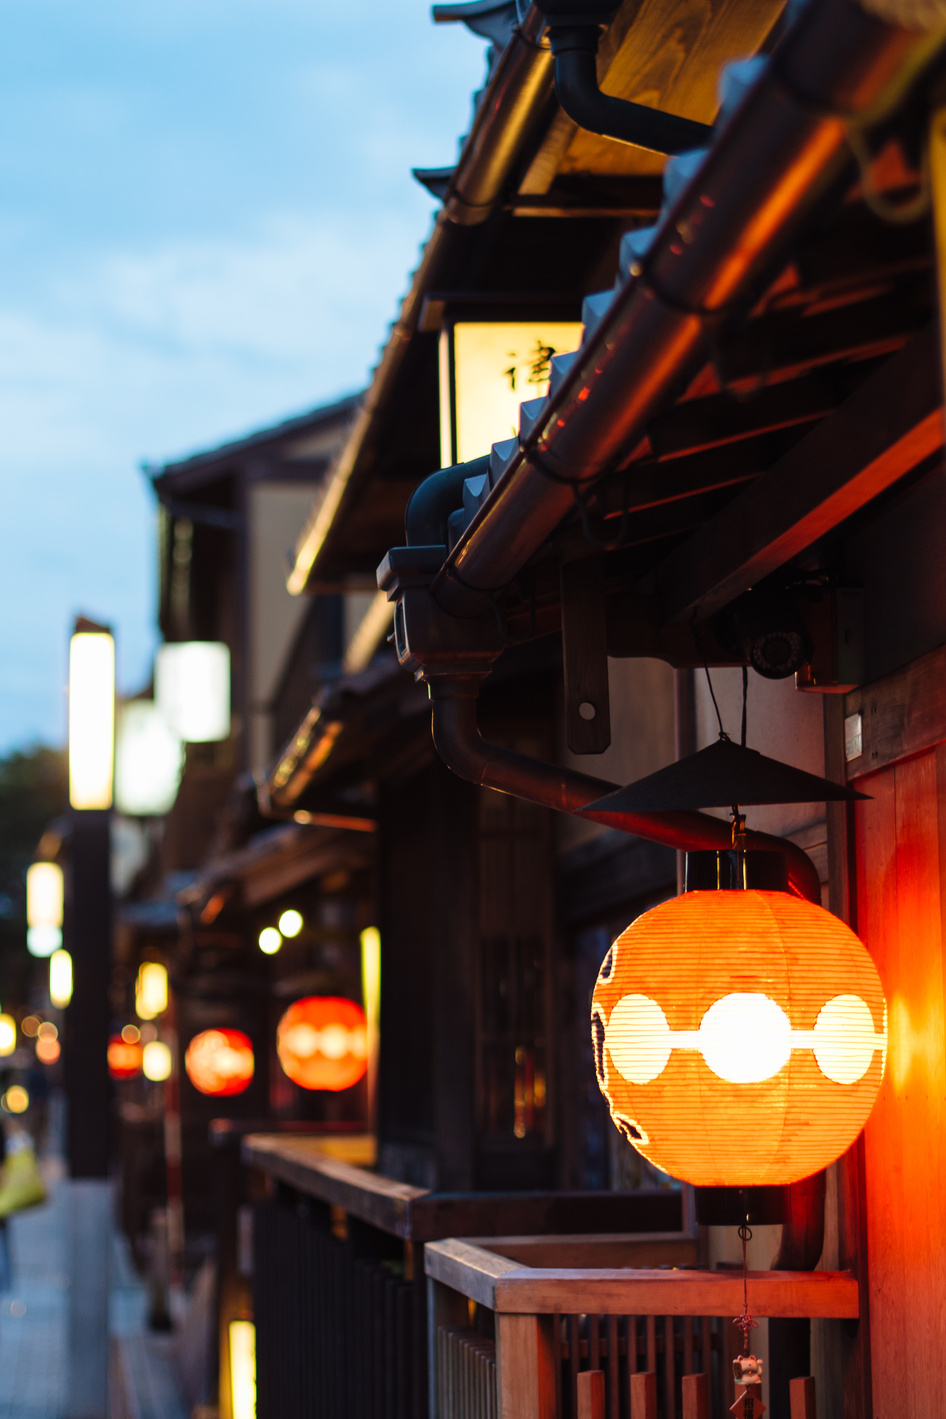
<point>576,86</point>
<point>458,741</point>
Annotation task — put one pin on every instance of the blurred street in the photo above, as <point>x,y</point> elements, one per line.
<point>34,1319</point>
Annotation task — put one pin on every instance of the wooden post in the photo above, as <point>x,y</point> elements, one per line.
<point>526,1359</point>
<point>696,1397</point>
<point>644,1395</point>
<point>802,1393</point>
<point>591,1394</point>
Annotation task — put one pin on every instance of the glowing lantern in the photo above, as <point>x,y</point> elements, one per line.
<point>91,718</point>
<point>44,898</point>
<point>220,1062</point>
<point>124,1058</point>
<point>740,1037</point>
<point>156,1061</point>
<point>192,689</point>
<point>7,1034</point>
<point>322,1042</point>
<point>48,1051</point>
<point>151,990</point>
<point>60,979</point>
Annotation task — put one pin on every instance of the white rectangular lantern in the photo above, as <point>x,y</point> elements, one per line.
<point>91,719</point>
<point>149,760</point>
<point>60,979</point>
<point>192,689</point>
<point>44,900</point>
<point>487,369</point>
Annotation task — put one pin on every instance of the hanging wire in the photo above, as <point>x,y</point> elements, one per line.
<point>719,718</point>
<point>745,696</point>
<point>745,1323</point>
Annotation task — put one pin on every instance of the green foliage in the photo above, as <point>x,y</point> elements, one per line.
<point>33,792</point>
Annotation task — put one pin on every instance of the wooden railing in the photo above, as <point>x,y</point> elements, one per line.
<point>339,1287</point>
<point>568,1337</point>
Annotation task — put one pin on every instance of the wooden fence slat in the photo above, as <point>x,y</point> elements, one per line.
<point>696,1397</point>
<point>802,1392</point>
<point>644,1395</point>
<point>591,1394</point>
<point>614,1358</point>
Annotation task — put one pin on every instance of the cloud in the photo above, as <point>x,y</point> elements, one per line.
<point>156,353</point>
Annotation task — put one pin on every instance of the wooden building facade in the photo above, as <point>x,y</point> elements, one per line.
<point>736,464</point>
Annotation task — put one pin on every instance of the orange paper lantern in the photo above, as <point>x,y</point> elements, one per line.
<point>220,1062</point>
<point>322,1042</point>
<point>740,1037</point>
<point>124,1059</point>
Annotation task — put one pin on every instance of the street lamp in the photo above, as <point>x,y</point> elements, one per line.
<point>91,716</point>
<point>89,938</point>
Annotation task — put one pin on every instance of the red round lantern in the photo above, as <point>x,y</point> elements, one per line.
<point>740,1037</point>
<point>220,1062</point>
<point>322,1042</point>
<point>124,1059</point>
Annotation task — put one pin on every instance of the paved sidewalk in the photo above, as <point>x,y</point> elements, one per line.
<point>34,1318</point>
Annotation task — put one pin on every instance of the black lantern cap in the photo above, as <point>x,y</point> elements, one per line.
<point>718,777</point>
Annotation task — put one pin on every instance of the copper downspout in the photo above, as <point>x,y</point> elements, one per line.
<point>782,152</point>
<point>460,745</point>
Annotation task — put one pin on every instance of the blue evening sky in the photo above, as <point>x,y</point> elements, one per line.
<point>206,221</point>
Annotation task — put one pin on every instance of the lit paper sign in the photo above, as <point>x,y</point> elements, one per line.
<point>489,368</point>
<point>149,759</point>
<point>192,689</point>
<point>91,719</point>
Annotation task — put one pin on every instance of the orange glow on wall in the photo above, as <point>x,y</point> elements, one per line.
<point>740,1037</point>
<point>220,1062</point>
<point>322,1042</point>
<point>124,1059</point>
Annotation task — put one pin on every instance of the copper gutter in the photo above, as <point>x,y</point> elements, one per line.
<point>509,120</point>
<point>778,157</point>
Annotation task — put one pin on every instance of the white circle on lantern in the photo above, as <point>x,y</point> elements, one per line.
<point>334,1041</point>
<point>745,1038</point>
<point>844,1039</point>
<point>638,1039</point>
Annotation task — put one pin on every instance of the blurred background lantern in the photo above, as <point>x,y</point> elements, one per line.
<point>156,1061</point>
<point>740,1036</point>
<point>44,900</point>
<point>7,1034</point>
<point>60,979</point>
<point>192,689</point>
<point>220,1062</point>
<point>48,1048</point>
<point>151,990</point>
<point>322,1042</point>
<point>270,940</point>
<point>124,1058</point>
<point>149,760</point>
<point>91,719</point>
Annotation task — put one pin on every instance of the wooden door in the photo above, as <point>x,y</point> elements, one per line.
<point>901,839</point>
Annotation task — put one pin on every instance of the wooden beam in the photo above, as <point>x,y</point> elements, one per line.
<point>901,714</point>
<point>882,432</point>
<point>497,1282</point>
